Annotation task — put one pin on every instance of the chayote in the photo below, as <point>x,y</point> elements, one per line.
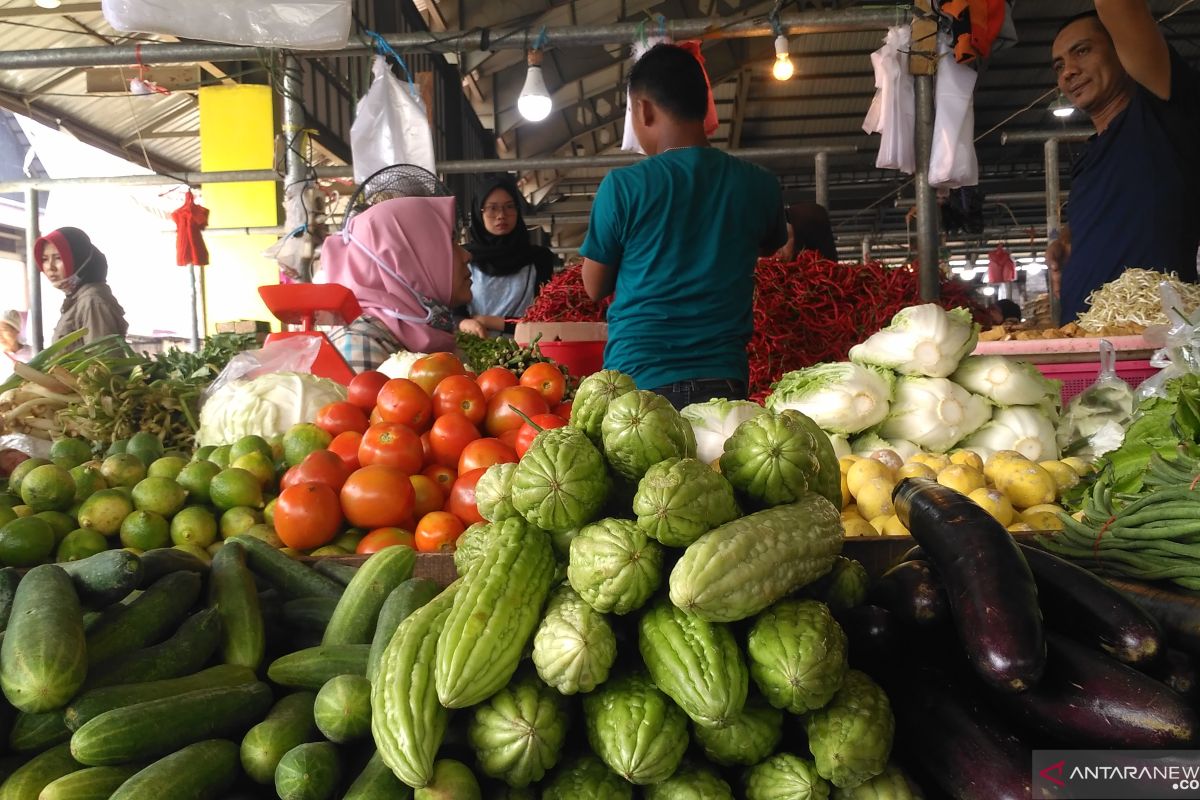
<point>642,428</point>
<point>614,566</point>
<point>776,458</point>
<point>785,777</point>
<point>593,397</point>
<point>636,729</point>
<point>851,738</point>
<point>561,483</point>
<point>681,499</point>
<point>797,655</point>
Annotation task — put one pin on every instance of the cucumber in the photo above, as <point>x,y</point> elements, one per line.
<point>377,782</point>
<point>312,667</point>
<point>146,621</point>
<point>92,704</point>
<point>201,771</point>
<point>308,614</point>
<point>289,724</point>
<point>290,577</point>
<point>158,727</point>
<point>231,591</point>
<point>105,578</point>
<point>184,653</point>
<point>9,765</point>
<point>309,772</point>
<point>341,572</point>
<point>27,782</point>
<point>354,619</point>
<point>162,561</point>
<point>33,733</point>
<point>343,709</point>
<point>43,660</point>
<point>93,783</point>
<point>404,600</point>
<point>9,578</point>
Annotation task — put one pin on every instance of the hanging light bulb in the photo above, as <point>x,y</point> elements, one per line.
<point>534,103</point>
<point>48,3</point>
<point>1061,107</point>
<point>783,69</point>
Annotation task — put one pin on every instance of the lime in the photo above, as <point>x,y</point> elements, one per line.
<point>117,447</point>
<point>166,467</point>
<point>122,470</point>
<point>80,543</point>
<point>194,525</point>
<point>24,468</point>
<point>250,444</point>
<point>22,511</point>
<point>160,495</point>
<point>269,512</point>
<point>257,465</point>
<point>104,511</point>
<point>264,532</point>
<point>26,542</point>
<point>196,477</point>
<point>235,487</point>
<point>214,547</point>
<point>238,520</point>
<point>220,456</point>
<point>61,523</point>
<point>88,481</point>
<point>276,443</point>
<point>146,446</point>
<point>330,550</point>
<point>7,515</point>
<point>198,552</point>
<point>349,540</point>
<point>203,453</point>
<point>302,439</point>
<point>145,530</point>
<point>48,488</point>
<point>70,453</point>
<point>8,500</point>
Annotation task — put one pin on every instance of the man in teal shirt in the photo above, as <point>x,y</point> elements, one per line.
<point>677,237</point>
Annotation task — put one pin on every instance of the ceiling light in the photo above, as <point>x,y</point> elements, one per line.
<point>1034,269</point>
<point>988,291</point>
<point>1061,107</point>
<point>49,3</point>
<point>534,103</point>
<point>783,69</point>
<point>958,262</point>
<point>968,274</point>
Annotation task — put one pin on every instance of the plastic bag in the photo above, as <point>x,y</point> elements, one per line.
<point>953,162</point>
<point>629,141</point>
<point>1095,419</point>
<point>893,111</point>
<point>294,354</point>
<point>294,25</point>
<point>390,126</point>
<point>1180,351</point>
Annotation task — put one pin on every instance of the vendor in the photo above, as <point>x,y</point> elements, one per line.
<point>507,270</point>
<point>74,266</point>
<point>677,236</point>
<point>809,228</point>
<point>400,260</point>
<point>1135,188</point>
<point>12,347</point>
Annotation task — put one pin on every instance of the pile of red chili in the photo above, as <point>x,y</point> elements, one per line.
<point>563,299</point>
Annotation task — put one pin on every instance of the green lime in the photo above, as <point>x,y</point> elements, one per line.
<point>61,523</point>
<point>48,488</point>
<point>145,530</point>
<point>265,533</point>
<point>203,453</point>
<point>8,500</point>
<point>214,547</point>
<point>88,481</point>
<point>194,525</point>
<point>22,511</point>
<point>276,443</point>
<point>235,487</point>
<point>238,520</point>
<point>250,444</point>
<point>195,478</point>
<point>330,550</point>
<point>7,515</point>
<point>122,470</point>
<point>105,510</point>
<point>80,543</point>
<point>269,511</point>
<point>167,467</point>
<point>160,495</point>
<point>302,439</point>
<point>349,540</point>
<point>26,542</point>
<point>70,453</point>
<point>146,446</point>
<point>257,465</point>
<point>199,552</point>
<point>24,468</point>
<point>220,456</point>
<point>117,447</point>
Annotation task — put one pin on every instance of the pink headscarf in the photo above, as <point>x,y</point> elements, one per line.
<point>393,255</point>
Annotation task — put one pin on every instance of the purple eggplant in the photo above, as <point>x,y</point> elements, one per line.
<point>1177,613</point>
<point>912,592</point>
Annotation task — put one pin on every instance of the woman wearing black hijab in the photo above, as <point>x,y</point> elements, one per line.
<point>507,270</point>
<point>75,267</point>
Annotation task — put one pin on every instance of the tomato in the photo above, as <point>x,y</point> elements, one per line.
<point>319,466</point>
<point>444,477</point>
<point>393,444</point>
<point>501,417</point>
<point>547,380</point>
<point>429,371</point>
<point>460,393</point>
<point>380,538</point>
<point>562,410</point>
<point>437,531</point>
<point>335,418</point>
<point>494,379</point>
<point>527,432</point>
<point>378,496</point>
<point>307,515</point>
<point>363,389</point>
<point>405,402</point>
<point>461,502</point>
<point>345,445</point>
<point>426,448</point>
<point>429,495</point>
<point>483,453</point>
<point>510,438</point>
<point>449,435</point>
<point>376,416</point>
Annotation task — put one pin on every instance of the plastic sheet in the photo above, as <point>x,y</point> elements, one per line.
<point>1180,353</point>
<point>894,109</point>
<point>295,25</point>
<point>390,127</point>
<point>953,162</point>
<point>294,354</point>
<point>1095,419</point>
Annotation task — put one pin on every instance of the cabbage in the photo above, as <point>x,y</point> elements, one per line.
<point>267,406</point>
<point>841,445</point>
<point>1006,382</point>
<point>871,442</point>
<point>398,365</point>
<point>1025,429</point>
<point>715,421</point>
<point>922,340</point>
<point>840,398</point>
<point>934,413</point>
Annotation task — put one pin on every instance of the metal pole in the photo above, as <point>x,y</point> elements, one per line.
<point>33,270</point>
<point>293,138</point>
<point>195,297</point>
<point>821,164</point>
<point>927,209</point>
<point>866,249</point>
<point>1053,219</point>
<point>1062,134</point>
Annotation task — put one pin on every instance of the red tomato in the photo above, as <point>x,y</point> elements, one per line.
<point>393,444</point>
<point>380,538</point>
<point>376,417</point>
<point>563,410</point>
<point>510,438</point>
<point>378,496</point>
<point>307,515</point>
<point>547,380</point>
<point>449,435</point>
<point>405,402</point>
<point>483,453</point>
<point>444,477</point>
<point>460,393</point>
<point>336,418</point>
<point>437,531</point>
<point>345,445</point>
<point>319,466</point>
<point>426,448</point>
<point>429,495</point>
<point>429,371</point>
<point>527,432</point>
<point>501,415</point>
<point>363,389</point>
<point>494,379</point>
<point>461,502</point>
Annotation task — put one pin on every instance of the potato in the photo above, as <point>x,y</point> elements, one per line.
<point>857,526</point>
<point>1063,475</point>
<point>995,503</point>
<point>1081,468</point>
<point>851,511</point>
<point>875,498</point>
<point>961,479</point>
<point>889,457</point>
<point>847,499</point>
<point>1026,485</point>
<point>967,458</point>
<point>894,527</point>
<point>865,470</point>
<point>935,461</point>
<point>845,462</point>
<point>1043,517</point>
<point>998,460</point>
<point>878,524</point>
<point>914,469</point>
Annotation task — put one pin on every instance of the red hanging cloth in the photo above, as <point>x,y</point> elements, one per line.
<point>1001,268</point>
<point>190,219</point>
<point>711,122</point>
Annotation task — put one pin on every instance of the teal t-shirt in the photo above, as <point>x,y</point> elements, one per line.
<point>683,230</point>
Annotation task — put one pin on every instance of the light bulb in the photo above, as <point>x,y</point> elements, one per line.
<point>783,69</point>
<point>1061,107</point>
<point>1063,112</point>
<point>48,3</point>
<point>534,103</point>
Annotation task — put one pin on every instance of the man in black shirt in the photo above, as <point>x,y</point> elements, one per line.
<point>1135,189</point>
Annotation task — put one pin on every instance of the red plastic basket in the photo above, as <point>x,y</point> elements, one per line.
<point>1076,377</point>
<point>580,358</point>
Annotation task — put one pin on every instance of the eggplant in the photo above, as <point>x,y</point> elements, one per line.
<point>1178,671</point>
<point>1080,604</point>
<point>912,592</point>
<point>1088,699</point>
<point>1178,614</point>
<point>989,587</point>
<point>872,635</point>
<point>914,553</point>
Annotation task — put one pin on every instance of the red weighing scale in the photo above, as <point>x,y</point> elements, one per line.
<point>309,305</point>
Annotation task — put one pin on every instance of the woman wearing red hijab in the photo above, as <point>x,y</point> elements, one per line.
<point>75,267</point>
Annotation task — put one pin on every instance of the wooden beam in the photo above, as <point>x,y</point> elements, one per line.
<point>115,80</point>
<point>741,101</point>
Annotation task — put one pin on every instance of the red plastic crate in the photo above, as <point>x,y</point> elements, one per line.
<point>580,358</point>
<point>1078,376</point>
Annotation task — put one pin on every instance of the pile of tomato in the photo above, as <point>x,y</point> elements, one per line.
<point>406,453</point>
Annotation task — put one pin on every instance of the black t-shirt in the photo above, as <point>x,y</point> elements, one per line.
<point>1135,192</point>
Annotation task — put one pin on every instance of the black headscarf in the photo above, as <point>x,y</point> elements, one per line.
<point>812,229</point>
<point>505,255</point>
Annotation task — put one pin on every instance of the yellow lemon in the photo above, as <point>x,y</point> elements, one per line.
<point>995,503</point>
<point>1063,475</point>
<point>857,526</point>
<point>1026,485</point>
<point>1043,517</point>
<point>866,470</point>
<point>894,527</point>
<point>967,458</point>
<point>961,478</point>
<point>875,498</point>
<point>914,469</point>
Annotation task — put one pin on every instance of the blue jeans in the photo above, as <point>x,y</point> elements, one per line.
<point>699,390</point>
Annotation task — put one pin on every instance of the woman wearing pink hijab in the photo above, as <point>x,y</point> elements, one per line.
<point>401,261</point>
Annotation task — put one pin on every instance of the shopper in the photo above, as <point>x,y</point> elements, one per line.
<point>400,260</point>
<point>675,238</point>
<point>77,268</point>
<point>507,270</point>
<point>809,228</point>
<point>12,346</point>
<point>1135,188</point>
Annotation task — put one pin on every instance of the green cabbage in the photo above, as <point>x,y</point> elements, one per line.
<point>1006,382</point>
<point>840,397</point>
<point>1025,429</point>
<point>922,340</point>
<point>267,406</point>
<point>934,413</point>
<point>715,421</point>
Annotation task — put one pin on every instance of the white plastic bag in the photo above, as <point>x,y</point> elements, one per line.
<point>1094,421</point>
<point>294,25</point>
<point>293,354</point>
<point>1180,351</point>
<point>390,127</point>
<point>953,162</point>
<point>894,109</point>
<point>629,142</point>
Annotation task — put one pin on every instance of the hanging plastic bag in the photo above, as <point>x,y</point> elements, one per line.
<point>390,127</point>
<point>295,25</point>
<point>1094,421</point>
<point>294,354</point>
<point>893,111</point>
<point>953,162</point>
<point>1180,351</point>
